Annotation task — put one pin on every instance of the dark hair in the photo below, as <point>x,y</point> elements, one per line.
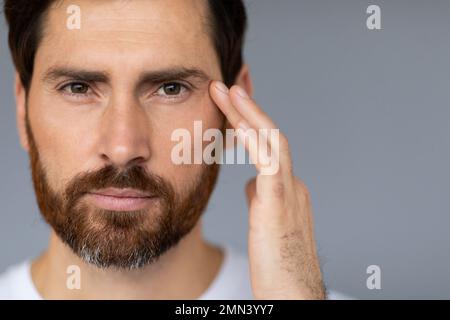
<point>25,20</point>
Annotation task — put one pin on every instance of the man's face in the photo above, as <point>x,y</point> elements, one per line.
<point>103,103</point>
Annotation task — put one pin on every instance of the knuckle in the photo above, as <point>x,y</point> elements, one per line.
<point>279,189</point>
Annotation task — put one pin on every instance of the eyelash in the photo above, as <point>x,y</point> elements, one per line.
<point>63,89</point>
<point>184,87</point>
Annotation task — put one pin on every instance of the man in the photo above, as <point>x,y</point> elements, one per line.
<point>100,88</point>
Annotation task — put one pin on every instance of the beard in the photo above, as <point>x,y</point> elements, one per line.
<point>120,239</point>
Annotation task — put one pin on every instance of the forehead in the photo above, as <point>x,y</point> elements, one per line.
<point>132,34</point>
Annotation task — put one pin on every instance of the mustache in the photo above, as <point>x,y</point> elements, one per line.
<point>135,177</point>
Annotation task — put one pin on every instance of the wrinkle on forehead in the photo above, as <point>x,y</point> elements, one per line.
<point>134,18</point>
<point>142,34</point>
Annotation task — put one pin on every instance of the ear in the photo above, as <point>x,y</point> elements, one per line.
<point>20,94</point>
<point>243,80</point>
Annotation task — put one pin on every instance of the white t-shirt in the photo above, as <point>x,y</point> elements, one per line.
<point>232,281</point>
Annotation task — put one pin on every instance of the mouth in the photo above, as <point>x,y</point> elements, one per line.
<point>121,199</point>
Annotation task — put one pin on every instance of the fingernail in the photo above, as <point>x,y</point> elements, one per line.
<point>221,87</point>
<point>241,92</point>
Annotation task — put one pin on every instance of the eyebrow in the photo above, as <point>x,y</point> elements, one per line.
<point>148,77</point>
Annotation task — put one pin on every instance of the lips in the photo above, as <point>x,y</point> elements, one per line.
<point>121,199</point>
<point>122,193</point>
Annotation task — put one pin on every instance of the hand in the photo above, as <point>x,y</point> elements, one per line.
<point>282,250</point>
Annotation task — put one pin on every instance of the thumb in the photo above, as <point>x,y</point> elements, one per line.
<point>250,190</point>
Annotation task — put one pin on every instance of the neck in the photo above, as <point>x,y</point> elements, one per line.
<point>183,272</point>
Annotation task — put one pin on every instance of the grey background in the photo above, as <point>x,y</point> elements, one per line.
<point>367,115</point>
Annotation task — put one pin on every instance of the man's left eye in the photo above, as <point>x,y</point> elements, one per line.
<point>171,89</point>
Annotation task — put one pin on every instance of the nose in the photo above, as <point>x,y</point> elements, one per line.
<point>124,133</point>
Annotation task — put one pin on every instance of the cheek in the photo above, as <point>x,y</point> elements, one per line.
<point>57,139</point>
<point>205,111</point>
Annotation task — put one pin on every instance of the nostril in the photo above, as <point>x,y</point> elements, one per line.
<point>137,161</point>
